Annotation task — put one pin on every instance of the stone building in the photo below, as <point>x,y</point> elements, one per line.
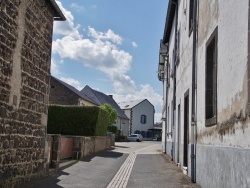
<point>62,93</point>
<point>204,65</point>
<point>25,53</point>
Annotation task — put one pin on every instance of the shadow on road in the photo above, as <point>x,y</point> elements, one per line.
<point>121,147</point>
<point>106,154</point>
<point>47,181</point>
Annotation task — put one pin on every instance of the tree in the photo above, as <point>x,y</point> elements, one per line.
<point>112,113</point>
<point>113,129</point>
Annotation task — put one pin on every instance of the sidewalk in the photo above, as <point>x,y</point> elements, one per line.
<point>180,178</point>
<point>150,168</point>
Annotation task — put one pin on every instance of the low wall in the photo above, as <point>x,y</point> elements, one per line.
<point>100,143</point>
<point>82,147</point>
<point>89,147</point>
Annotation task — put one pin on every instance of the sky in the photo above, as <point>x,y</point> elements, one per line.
<point>111,46</point>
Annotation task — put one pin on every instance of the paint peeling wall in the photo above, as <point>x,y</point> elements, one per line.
<point>232,87</point>
<point>222,150</point>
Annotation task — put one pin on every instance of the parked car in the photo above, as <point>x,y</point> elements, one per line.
<point>155,139</point>
<point>135,137</point>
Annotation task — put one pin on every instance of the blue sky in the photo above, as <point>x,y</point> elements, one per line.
<point>112,46</point>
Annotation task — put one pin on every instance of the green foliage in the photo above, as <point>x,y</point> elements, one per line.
<point>113,129</point>
<point>112,113</point>
<point>123,136</point>
<point>76,120</point>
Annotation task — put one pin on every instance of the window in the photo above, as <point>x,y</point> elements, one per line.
<point>143,119</point>
<point>211,79</point>
<point>191,16</point>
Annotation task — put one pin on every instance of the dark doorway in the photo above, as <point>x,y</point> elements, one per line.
<point>179,133</point>
<point>186,129</point>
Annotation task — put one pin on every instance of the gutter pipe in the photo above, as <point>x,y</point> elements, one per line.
<point>166,120</point>
<point>174,84</point>
<point>193,124</point>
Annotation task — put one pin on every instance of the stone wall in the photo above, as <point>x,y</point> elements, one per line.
<point>100,143</point>
<point>82,147</point>
<point>25,54</point>
<point>60,94</point>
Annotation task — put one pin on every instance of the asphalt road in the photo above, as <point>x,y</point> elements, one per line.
<point>128,164</point>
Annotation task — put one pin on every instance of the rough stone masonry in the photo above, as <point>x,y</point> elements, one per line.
<point>25,54</point>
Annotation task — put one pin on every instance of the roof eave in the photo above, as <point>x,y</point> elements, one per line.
<point>169,20</point>
<point>59,16</point>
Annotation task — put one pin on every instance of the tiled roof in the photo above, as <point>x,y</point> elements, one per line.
<point>129,104</point>
<point>101,98</point>
<point>73,89</point>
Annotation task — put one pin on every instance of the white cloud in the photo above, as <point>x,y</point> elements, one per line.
<point>66,27</point>
<point>144,92</point>
<point>54,69</point>
<point>72,82</point>
<point>101,51</point>
<point>100,54</point>
<point>78,7</point>
<point>109,35</point>
<point>123,84</point>
<point>134,44</point>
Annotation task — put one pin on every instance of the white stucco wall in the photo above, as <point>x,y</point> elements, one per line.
<point>144,108</point>
<point>231,18</point>
<point>123,125</point>
<point>220,146</point>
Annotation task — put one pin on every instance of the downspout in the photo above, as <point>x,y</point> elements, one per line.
<point>193,124</point>
<point>166,111</point>
<point>174,84</point>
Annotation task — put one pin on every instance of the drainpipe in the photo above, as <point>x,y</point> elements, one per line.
<point>193,124</point>
<point>174,84</point>
<point>166,118</point>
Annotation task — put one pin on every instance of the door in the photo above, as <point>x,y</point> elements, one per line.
<point>178,133</point>
<point>186,129</point>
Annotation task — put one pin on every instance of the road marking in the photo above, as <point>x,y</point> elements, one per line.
<point>120,180</point>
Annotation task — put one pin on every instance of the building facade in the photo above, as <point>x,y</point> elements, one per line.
<point>62,93</point>
<point>25,52</point>
<point>140,114</point>
<point>204,65</point>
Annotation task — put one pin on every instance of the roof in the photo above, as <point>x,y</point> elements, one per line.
<point>130,104</point>
<point>156,129</point>
<point>58,15</point>
<point>169,20</point>
<point>73,89</point>
<point>100,98</point>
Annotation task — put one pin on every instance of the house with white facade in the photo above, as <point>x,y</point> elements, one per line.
<point>140,114</point>
<point>204,65</point>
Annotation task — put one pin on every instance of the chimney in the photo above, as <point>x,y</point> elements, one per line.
<point>111,96</point>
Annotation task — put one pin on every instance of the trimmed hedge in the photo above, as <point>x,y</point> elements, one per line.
<point>77,120</point>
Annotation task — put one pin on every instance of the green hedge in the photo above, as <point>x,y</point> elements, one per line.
<point>76,120</point>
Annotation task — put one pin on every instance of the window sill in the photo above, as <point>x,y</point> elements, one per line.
<point>211,121</point>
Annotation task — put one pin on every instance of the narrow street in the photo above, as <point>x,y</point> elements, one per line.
<point>128,164</point>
